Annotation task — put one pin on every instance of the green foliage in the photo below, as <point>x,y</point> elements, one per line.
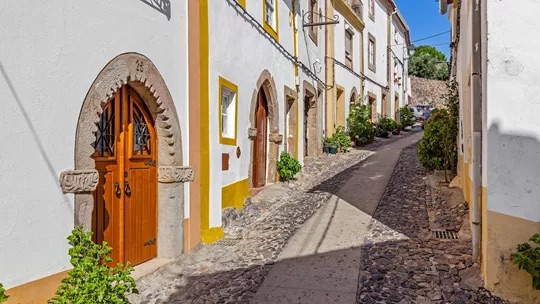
<point>287,166</point>
<point>361,130</point>
<point>387,124</point>
<point>329,142</point>
<point>527,258</point>
<point>430,50</point>
<point>437,150</point>
<point>91,280</point>
<point>3,296</point>
<point>406,117</point>
<point>341,139</point>
<point>428,62</point>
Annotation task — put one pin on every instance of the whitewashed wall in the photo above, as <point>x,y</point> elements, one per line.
<point>51,53</point>
<point>400,54</point>
<point>312,56</point>
<point>379,29</point>
<point>343,76</point>
<point>513,143</point>
<point>240,52</point>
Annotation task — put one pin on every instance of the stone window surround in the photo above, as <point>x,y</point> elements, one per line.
<point>141,74</point>
<point>372,65</point>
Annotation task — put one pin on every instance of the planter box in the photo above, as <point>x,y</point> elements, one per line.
<point>332,150</point>
<point>326,150</point>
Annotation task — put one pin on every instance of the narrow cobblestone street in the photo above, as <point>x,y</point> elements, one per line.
<point>362,235</point>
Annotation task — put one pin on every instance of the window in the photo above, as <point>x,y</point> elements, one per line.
<point>348,48</point>
<point>313,8</point>
<point>371,53</point>
<point>228,106</point>
<point>270,11</point>
<point>371,4</point>
<point>395,35</point>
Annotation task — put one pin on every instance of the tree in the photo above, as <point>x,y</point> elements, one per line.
<point>428,62</point>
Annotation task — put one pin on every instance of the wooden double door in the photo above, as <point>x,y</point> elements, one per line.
<point>125,202</point>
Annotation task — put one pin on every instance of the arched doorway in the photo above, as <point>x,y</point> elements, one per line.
<point>135,78</point>
<point>259,148</point>
<point>125,201</point>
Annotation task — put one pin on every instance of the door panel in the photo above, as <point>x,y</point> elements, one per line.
<point>125,213</point>
<point>259,149</point>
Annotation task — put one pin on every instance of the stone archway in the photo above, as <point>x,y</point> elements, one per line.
<point>267,84</point>
<point>354,96</point>
<point>140,73</point>
<point>310,104</point>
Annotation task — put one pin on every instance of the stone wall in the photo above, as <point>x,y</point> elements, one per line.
<point>428,91</point>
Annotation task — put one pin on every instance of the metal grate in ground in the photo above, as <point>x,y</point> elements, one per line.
<point>228,242</point>
<point>445,235</point>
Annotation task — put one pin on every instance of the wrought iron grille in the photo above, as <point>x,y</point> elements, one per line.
<point>141,134</point>
<point>104,144</point>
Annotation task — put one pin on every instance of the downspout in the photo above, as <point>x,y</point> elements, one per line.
<point>476,129</point>
<point>296,80</point>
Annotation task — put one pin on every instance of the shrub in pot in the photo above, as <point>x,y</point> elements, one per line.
<point>91,280</point>
<point>406,117</point>
<point>3,296</point>
<point>361,130</point>
<point>527,257</point>
<point>287,166</point>
<point>342,140</point>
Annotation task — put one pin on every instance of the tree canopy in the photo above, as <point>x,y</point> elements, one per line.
<point>428,62</point>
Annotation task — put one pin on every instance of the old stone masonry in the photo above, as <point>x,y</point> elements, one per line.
<point>396,258</point>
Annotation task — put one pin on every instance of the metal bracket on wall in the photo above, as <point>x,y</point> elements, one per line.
<point>307,19</point>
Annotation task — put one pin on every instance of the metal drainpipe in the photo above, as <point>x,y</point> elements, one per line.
<point>477,129</point>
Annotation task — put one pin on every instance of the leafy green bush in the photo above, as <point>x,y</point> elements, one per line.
<point>361,130</point>
<point>527,258</point>
<point>342,140</point>
<point>91,280</point>
<point>438,149</point>
<point>287,166</point>
<point>406,117</point>
<point>3,296</point>
<point>388,124</point>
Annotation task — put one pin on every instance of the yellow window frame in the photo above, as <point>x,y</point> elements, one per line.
<point>224,83</point>
<point>267,27</point>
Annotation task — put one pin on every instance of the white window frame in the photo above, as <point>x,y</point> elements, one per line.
<point>270,4</point>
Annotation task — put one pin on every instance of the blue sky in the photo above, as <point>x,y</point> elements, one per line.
<point>424,20</point>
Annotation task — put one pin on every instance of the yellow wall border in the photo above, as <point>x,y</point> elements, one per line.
<point>205,118</point>
<point>242,3</point>
<point>267,27</point>
<point>224,83</point>
<point>233,195</point>
<point>212,235</point>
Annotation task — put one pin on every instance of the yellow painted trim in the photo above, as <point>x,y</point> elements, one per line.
<point>38,291</point>
<point>233,195</point>
<point>242,3</point>
<point>349,15</point>
<point>234,88</point>
<point>267,27</point>
<point>212,235</point>
<point>205,118</point>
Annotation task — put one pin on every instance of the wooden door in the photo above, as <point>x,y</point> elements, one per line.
<point>259,149</point>
<point>340,109</point>
<point>125,212</point>
<point>307,105</point>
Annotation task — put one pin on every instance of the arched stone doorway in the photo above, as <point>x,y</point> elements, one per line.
<point>311,145</point>
<point>138,73</point>
<point>264,121</point>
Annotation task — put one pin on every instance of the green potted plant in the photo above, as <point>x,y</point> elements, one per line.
<point>397,130</point>
<point>327,143</point>
<point>3,296</point>
<point>342,140</point>
<point>333,147</point>
<point>527,257</point>
<point>287,166</point>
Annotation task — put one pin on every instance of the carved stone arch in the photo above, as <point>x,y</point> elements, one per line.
<point>267,84</point>
<point>354,96</point>
<point>141,74</point>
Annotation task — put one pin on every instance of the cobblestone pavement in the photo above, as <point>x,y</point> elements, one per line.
<point>402,261</point>
<point>231,270</point>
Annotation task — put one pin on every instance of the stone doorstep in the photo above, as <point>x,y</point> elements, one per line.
<point>149,267</point>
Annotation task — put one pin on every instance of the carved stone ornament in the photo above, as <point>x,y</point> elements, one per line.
<point>275,138</point>
<point>252,132</point>
<point>79,181</point>
<point>175,174</point>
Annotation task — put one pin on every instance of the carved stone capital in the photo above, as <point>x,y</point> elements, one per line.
<point>252,133</point>
<point>175,174</point>
<point>275,138</point>
<point>79,181</point>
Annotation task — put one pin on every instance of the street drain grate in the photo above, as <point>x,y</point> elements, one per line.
<point>228,242</point>
<point>445,235</point>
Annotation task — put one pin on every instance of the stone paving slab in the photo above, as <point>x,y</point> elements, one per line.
<point>401,260</point>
